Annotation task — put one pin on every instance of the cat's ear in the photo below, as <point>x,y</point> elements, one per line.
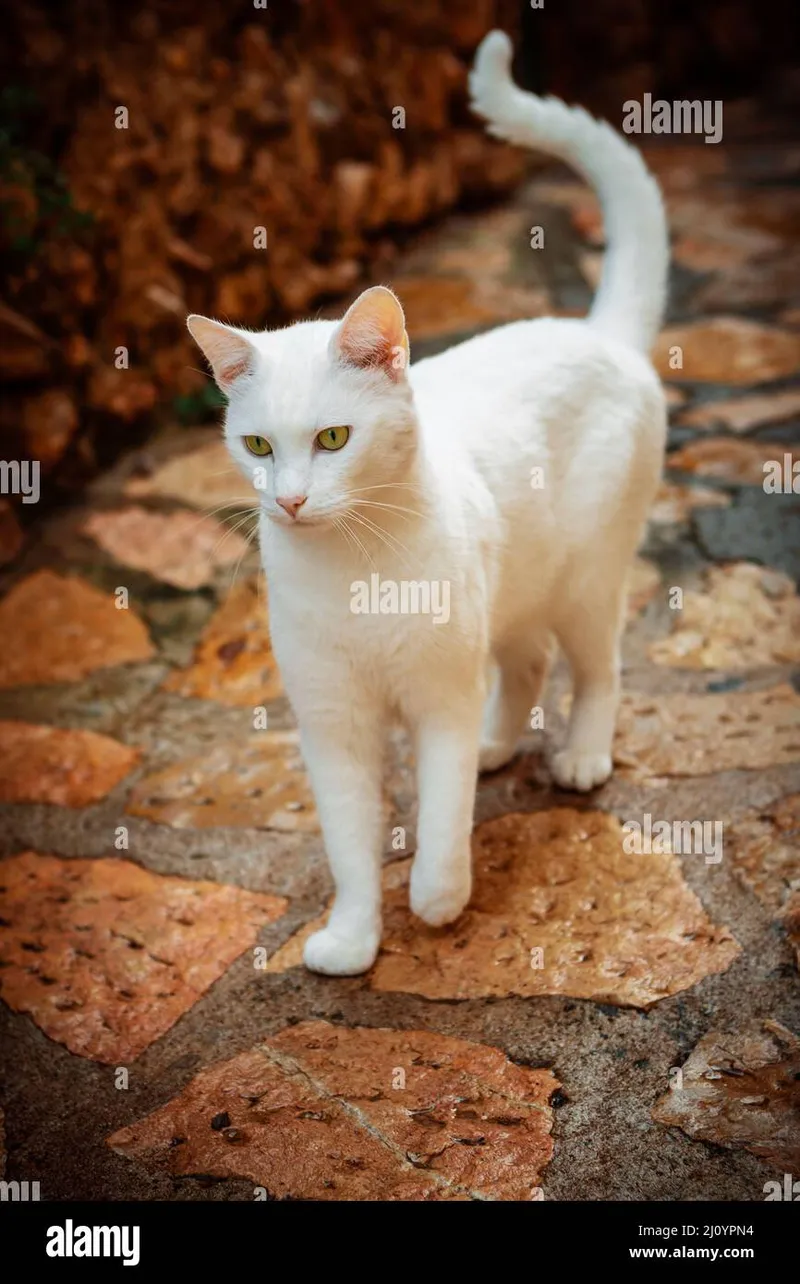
<point>229,352</point>
<point>372,334</point>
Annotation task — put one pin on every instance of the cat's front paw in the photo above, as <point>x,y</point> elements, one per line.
<point>580,771</point>
<point>438,901</point>
<point>335,955</point>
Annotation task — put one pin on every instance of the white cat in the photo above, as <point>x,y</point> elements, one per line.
<point>369,466</point>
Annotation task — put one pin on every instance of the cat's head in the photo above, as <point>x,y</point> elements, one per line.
<point>317,411</point>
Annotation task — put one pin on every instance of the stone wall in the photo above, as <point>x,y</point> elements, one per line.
<point>233,119</point>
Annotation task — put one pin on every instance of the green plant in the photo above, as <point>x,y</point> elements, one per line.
<point>196,407</point>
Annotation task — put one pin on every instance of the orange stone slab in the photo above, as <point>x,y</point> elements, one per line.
<point>740,414</point>
<point>729,350</point>
<point>51,765</point>
<point>105,956</point>
<point>728,459</point>
<point>748,617</point>
<point>205,477</point>
<point>233,663</point>
<point>558,907</point>
<point>259,783</point>
<point>326,1112</point>
<point>180,548</point>
<point>701,253</point>
<point>438,305</point>
<point>674,503</point>
<point>741,1090</point>
<point>697,735</point>
<point>59,628</point>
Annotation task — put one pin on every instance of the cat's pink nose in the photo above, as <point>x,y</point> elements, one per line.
<point>291,503</point>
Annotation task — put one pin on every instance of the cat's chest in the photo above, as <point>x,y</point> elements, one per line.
<point>371,615</point>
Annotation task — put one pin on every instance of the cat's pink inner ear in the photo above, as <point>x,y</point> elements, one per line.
<point>228,353</point>
<point>372,334</point>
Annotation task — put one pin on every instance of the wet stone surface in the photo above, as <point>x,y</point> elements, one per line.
<point>603,1022</point>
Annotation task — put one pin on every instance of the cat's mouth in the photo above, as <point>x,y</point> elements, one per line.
<point>293,523</point>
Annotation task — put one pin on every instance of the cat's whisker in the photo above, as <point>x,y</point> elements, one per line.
<point>233,530</point>
<point>370,562</point>
<point>394,508</point>
<point>246,500</point>
<point>380,529</point>
<point>396,547</point>
<point>342,529</point>
<point>386,486</point>
<point>236,570</point>
<point>365,490</point>
<point>230,471</point>
<point>249,541</point>
<point>240,506</point>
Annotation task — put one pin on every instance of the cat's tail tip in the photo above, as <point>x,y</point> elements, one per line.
<point>490,76</point>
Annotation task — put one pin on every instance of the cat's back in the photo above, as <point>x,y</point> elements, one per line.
<point>551,392</point>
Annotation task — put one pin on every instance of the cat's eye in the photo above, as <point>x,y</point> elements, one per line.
<point>333,438</point>
<point>258,445</point>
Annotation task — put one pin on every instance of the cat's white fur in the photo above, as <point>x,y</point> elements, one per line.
<point>447,447</point>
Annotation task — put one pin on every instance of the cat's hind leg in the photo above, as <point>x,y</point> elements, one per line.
<point>447,774</point>
<point>589,633</point>
<point>519,674</point>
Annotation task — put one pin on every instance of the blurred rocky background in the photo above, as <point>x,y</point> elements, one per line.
<point>142,148</point>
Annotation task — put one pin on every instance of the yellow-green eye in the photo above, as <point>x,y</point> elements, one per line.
<point>258,445</point>
<point>333,438</point>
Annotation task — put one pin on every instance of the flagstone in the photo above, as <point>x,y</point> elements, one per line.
<point>205,477</point>
<point>60,766</point>
<point>769,281</point>
<point>727,349</point>
<point>745,617</point>
<point>253,783</point>
<point>741,1089</point>
<point>325,1112</point>
<point>558,907</point>
<point>674,502</point>
<point>179,548</point>
<point>63,628</point>
<point>233,662</point>
<point>437,305</point>
<point>697,735</point>
<point>740,414</point>
<point>106,956</point>
<point>729,459</point>
<point>710,252</point>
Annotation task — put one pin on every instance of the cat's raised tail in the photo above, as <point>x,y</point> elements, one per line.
<point>629,304</point>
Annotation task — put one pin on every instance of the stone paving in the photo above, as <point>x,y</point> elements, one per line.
<point>616,1014</point>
